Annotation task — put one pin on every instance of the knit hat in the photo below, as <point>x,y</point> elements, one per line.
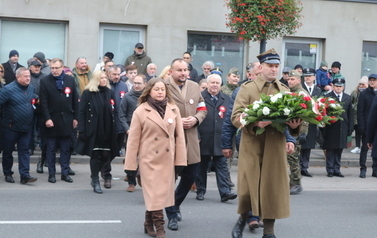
<point>109,55</point>
<point>323,63</point>
<point>299,66</point>
<point>13,53</point>
<point>336,64</point>
<point>40,56</point>
<point>364,80</point>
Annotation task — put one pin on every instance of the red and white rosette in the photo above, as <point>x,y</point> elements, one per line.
<point>67,91</point>
<point>112,103</point>
<point>122,93</point>
<point>33,101</point>
<point>222,110</point>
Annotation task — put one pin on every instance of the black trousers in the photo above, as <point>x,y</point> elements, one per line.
<point>107,166</point>
<point>188,175</point>
<point>333,157</point>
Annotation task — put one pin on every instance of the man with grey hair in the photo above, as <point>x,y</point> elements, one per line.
<point>207,67</point>
<point>151,71</point>
<point>210,131</point>
<point>18,109</point>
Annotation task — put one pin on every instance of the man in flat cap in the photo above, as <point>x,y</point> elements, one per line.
<point>309,143</point>
<point>262,171</point>
<point>40,57</point>
<point>335,134</point>
<point>139,58</point>
<point>11,66</point>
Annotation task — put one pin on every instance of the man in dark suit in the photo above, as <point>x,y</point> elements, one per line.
<point>59,106</point>
<point>210,140</point>
<point>335,135</point>
<point>371,132</point>
<point>11,66</point>
<point>309,142</point>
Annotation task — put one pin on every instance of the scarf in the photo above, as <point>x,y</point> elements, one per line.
<point>159,106</point>
<point>59,81</point>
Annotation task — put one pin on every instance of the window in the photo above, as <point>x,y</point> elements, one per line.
<point>306,52</point>
<point>226,51</point>
<point>29,37</point>
<point>120,41</point>
<point>369,58</point>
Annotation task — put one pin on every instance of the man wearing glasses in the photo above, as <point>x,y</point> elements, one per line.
<point>59,106</point>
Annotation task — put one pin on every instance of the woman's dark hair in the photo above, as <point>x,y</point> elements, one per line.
<point>144,96</point>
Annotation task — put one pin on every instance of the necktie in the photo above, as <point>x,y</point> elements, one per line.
<point>214,99</point>
<point>310,90</point>
<point>338,98</point>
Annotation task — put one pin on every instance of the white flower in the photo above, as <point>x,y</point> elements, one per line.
<point>247,109</point>
<point>242,120</point>
<point>266,111</point>
<point>256,106</point>
<point>333,105</point>
<point>286,111</point>
<point>276,97</point>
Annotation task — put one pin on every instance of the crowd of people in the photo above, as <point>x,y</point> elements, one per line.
<point>178,124</point>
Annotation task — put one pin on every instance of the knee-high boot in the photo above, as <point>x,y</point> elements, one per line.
<point>148,224</point>
<point>158,221</point>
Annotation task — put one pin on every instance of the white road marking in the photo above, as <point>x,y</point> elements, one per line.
<point>61,222</point>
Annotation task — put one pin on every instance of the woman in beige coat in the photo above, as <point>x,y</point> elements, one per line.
<point>156,144</point>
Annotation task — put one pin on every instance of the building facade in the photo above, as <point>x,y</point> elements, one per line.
<point>331,30</point>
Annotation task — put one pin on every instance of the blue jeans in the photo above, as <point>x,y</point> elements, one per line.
<point>10,138</point>
<point>64,142</point>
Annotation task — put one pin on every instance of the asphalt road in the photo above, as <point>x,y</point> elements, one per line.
<point>327,208</point>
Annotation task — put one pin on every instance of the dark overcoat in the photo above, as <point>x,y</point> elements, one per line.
<point>210,129</point>
<point>312,129</point>
<point>371,130</point>
<point>335,135</point>
<point>61,106</point>
<point>88,122</point>
<point>9,75</point>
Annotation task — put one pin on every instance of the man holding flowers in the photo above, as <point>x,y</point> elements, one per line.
<point>262,165</point>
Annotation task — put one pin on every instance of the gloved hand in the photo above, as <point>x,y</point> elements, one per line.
<point>131,173</point>
<point>302,138</point>
<point>350,132</point>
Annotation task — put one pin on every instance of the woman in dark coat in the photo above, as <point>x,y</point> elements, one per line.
<point>97,136</point>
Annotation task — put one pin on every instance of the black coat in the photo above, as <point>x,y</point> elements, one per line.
<point>335,135</point>
<point>89,119</point>
<point>363,108</point>
<point>312,129</point>
<point>9,75</point>
<point>59,106</point>
<point>371,130</point>
<point>127,107</point>
<point>210,129</point>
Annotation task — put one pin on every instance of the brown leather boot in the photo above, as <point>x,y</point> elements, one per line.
<point>158,221</point>
<point>148,224</point>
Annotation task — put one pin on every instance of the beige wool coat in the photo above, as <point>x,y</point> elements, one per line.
<point>263,183</point>
<point>190,103</point>
<point>156,145</point>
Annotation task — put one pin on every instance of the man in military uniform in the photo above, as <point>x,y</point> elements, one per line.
<point>262,172</point>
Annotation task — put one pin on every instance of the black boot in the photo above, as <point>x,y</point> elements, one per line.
<point>96,185</point>
<point>41,161</point>
<point>238,228</point>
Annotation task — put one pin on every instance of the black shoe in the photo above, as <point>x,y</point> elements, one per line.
<point>173,224</point>
<point>238,228</point>
<point>67,178</point>
<point>305,173</point>
<point>71,172</point>
<point>9,179</point>
<point>28,179</point>
<point>330,174</point>
<point>269,236</point>
<point>51,178</point>
<point>200,197</point>
<point>96,186</point>
<point>40,168</point>
<point>179,215</point>
<point>339,174</point>
<point>362,173</point>
<point>228,196</point>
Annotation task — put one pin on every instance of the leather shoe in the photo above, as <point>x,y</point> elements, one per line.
<point>40,168</point>
<point>330,174</point>
<point>107,183</point>
<point>131,188</point>
<point>305,173</point>
<point>200,197</point>
<point>173,224</point>
<point>228,196</point>
<point>9,179</point>
<point>28,179</point>
<point>67,178</point>
<point>339,174</point>
<point>362,173</point>
<point>238,228</point>
<point>71,172</point>
<point>268,236</point>
<point>179,215</point>
<point>51,178</point>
